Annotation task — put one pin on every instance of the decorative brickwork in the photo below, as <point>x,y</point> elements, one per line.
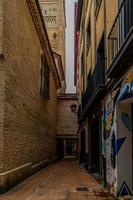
<point>1,27</point>
<point>67,120</point>
<point>54,16</point>
<point>41,30</point>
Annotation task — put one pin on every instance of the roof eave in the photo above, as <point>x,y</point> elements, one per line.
<point>39,23</point>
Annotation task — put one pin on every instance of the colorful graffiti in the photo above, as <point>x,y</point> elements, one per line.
<point>126,119</point>
<point>117,136</point>
<point>124,190</point>
<point>116,145</point>
<point>113,151</point>
<point>108,124</point>
<point>126,91</point>
<point>108,118</point>
<point>119,143</point>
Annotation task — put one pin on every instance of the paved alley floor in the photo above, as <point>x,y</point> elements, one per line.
<point>63,180</point>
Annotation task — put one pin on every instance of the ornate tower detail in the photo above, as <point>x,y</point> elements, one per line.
<point>54,17</point>
<point>1,27</point>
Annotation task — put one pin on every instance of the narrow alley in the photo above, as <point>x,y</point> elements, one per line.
<point>66,99</point>
<point>61,180</point>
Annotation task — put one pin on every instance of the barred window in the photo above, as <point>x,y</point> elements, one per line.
<point>45,76</point>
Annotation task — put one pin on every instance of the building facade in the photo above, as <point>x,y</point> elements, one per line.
<point>105,61</point>
<point>55,18</point>
<point>28,92</point>
<point>67,137</point>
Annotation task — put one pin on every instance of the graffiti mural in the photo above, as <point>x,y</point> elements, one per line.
<point>113,151</point>
<point>111,172</point>
<point>126,119</point>
<point>126,91</point>
<point>109,112</point>
<point>117,129</point>
<point>119,143</point>
<point>124,190</point>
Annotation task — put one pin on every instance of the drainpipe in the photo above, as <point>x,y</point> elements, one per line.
<point>84,54</point>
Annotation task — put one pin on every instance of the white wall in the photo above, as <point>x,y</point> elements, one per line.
<point>124,159</point>
<point>70,46</point>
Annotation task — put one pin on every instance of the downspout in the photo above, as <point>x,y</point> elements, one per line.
<point>84,54</point>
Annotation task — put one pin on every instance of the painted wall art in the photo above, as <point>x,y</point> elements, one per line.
<point>117,137</point>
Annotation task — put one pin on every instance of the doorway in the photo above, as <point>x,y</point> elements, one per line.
<point>95,146</point>
<point>70,147</point>
<point>82,146</point>
<point>60,148</point>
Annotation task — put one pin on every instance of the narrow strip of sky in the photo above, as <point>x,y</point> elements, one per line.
<point>70,45</point>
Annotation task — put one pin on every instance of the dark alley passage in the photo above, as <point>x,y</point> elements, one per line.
<point>62,180</point>
<point>66,99</point>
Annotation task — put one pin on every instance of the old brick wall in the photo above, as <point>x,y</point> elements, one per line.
<point>67,120</point>
<point>29,132</point>
<point>2,78</point>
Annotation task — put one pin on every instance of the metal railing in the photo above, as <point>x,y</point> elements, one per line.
<point>97,79</point>
<point>120,29</point>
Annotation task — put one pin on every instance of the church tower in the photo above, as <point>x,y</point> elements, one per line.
<point>55,20</point>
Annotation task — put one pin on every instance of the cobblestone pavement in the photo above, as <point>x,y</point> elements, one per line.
<point>59,181</point>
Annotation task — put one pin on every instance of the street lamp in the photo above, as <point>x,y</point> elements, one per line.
<point>74,108</point>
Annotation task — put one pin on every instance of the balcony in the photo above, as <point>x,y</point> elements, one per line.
<point>96,86</point>
<point>120,40</point>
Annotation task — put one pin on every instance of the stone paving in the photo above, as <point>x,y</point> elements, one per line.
<point>63,180</point>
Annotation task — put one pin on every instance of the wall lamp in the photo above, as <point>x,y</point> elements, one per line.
<point>74,108</point>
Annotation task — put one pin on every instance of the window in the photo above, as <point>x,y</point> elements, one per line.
<point>88,36</point>
<point>45,75</point>
<point>70,147</point>
<point>126,18</point>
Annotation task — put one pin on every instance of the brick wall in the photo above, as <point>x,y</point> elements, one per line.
<point>2,77</point>
<point>29,130</point>
<point>67,120</point>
